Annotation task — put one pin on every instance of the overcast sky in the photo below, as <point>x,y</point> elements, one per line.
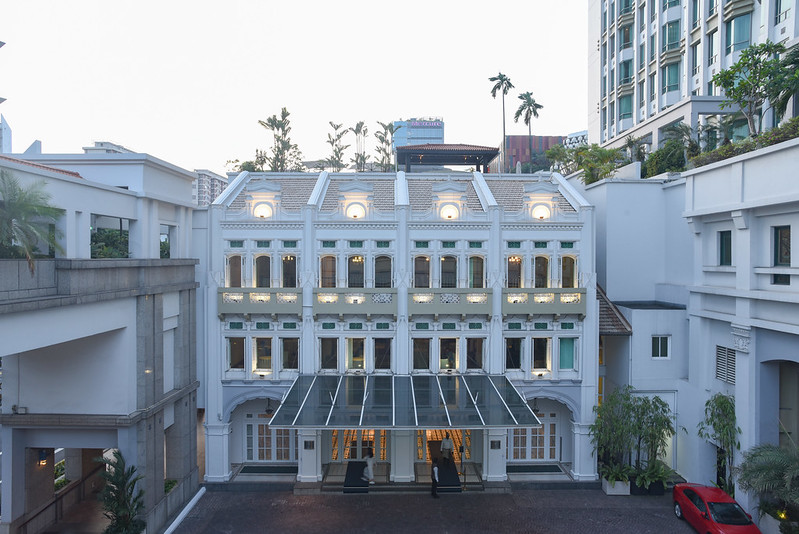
<point>187,81</point>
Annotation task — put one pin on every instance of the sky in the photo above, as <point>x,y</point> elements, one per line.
<point>187,81</point>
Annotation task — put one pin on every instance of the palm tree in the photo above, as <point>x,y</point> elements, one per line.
<point>360,130</point>
<point>790,63</point>
<point>501,83</point>
<point>529,109</point>
<point>773,473</point>
<point>122,503</point>
<point>25,218</point>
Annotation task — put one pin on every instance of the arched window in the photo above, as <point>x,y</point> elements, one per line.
<point>449,272</point>
<point>476,277</point>
<point>289,271</point>
<point>263,271</point>
<point>234,271</point>
<point>421,271</point>
<point>355,271</point>
<point>541,271</point>
<point>327,277</point>
<point>514,271</point>
<point>567,272</point>
<point>383,271</point>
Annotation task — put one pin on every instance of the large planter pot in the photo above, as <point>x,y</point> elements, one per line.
<point>617,488</point>
<point>657,488</point>
<point>635,489</point>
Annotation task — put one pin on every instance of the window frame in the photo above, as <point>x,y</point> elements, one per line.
<point>725,247</point>
<point>324,279</point>
<point>658,347</point>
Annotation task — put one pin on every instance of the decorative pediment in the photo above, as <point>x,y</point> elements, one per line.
<point>263,186</point>
<point>449,187</point>
<point>355,186</point>
<point>546,187</point>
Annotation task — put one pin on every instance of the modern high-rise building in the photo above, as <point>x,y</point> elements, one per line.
<point>650,64</point>
<point>422,131</point>
<point>5,136</point>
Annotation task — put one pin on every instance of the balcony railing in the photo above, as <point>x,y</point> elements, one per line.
<point>557,301</point>
<point>242,300</point>
<point>367,301</point>
<point>438,301</point>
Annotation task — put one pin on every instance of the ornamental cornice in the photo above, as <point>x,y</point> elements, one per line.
<point>449,226</point>
<point>350,226</point>
<point>741,338</point>
<point>244,225</point>
<point>538,226</point>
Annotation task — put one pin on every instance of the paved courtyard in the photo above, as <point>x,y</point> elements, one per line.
<point>524,510</point>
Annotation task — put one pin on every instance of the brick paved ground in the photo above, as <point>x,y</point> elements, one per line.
<point>533,511</point>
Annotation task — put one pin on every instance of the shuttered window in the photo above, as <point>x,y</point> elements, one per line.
<point>725,364</point>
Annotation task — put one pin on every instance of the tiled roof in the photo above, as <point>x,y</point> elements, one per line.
<point>43,167</point>
<point>611,320</point>
<point>510,195</point>
<point>295,192</point>
<point>383,194</point>
<point>421,194</point>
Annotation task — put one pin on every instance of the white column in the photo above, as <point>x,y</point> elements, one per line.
<point>309,455</point>
<point>584,466</point>
<point>495,279</point>
<point>495,460</point>
<point>217,455</point>
<point>403,446</point>
<point>403,270</point>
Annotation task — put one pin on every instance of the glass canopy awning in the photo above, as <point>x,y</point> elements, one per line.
<point>403,402</point>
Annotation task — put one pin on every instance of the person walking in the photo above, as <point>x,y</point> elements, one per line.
<point>369,470</point>
<point>446,449</point>
<point>434,479</point>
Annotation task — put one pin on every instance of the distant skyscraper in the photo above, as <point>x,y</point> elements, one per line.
<point>422,131</point>
<point>5,136</point>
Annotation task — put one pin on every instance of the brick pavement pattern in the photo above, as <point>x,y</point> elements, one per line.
<point>531,511</point>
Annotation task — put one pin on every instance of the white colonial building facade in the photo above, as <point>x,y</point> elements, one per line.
<point>342,312</point>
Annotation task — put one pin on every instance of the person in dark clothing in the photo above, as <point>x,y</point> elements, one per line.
<point>434,479</point>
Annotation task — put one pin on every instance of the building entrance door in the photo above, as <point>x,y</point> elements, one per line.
<point>535,444</point>
<point>459,438</point>
<point>355,444</point>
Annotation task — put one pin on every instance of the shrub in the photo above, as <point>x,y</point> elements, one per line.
<point>786,132</point>
<point>669,158</point>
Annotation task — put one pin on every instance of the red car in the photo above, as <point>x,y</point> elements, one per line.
<point>710,510</point>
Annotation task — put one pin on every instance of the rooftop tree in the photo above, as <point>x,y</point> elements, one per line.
<point>360,130</point>
<point>26,219</point>
<point>501,84</point>
<point>285,155</point>
<point>336,159</point>
<point>757,76</point>
<point>528,109</point>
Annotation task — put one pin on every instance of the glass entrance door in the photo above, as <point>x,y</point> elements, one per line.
<point>266,444</point>
<point>535,444</point>
<point>355,444</point>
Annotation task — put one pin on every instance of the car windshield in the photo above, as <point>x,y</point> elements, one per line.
<point>728,513</point>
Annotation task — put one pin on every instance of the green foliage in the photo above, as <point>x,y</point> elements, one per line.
<point>502,84</point>
<point>285,156</point>
<point>656,471</point>
<point>626,423</point>
<point>756,76</point>
<point>720,427</point>
<point>169,485</point>
<point>360,130</point>
<point>58,469</point>
<point>122,503</point>
<point>786,132</point>
<point>669,158</point>
<point>773,473</point>
<point>61,483</point>
<point>562,159</point>
<point>164,252</point>
<point>109,243</point>
<point>26,219</point>
<point>790,67</point>
<point>336,159</point>
<point>597,163</point>
<point>635,147</point>
<point>528,109</point>
<point>616,473</point>
<point>385,139</point>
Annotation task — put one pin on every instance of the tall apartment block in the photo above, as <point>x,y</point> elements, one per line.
<point>650,63</point>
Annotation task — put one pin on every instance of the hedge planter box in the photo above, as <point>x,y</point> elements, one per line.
<point>617,488</point>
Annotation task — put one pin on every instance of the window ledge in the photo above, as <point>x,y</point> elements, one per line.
<point>719,268</point>
<point>777,270</point>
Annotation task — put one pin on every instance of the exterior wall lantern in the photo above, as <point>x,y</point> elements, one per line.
<point>42,457</point>
<point>262,210</point>
<point>450,211</point>
<point>541,212</point>
<point>356,210</point>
